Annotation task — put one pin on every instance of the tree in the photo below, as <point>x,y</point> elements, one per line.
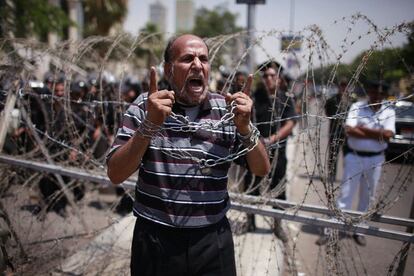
<point>389,64</point>
<point>101,15</point>
<point>322,75</point>
<point>384,64</point>
<point>23,18</point>
<point>210,23</point>
<point>152,47</point>
<point>216,22</point>
<point>408,50</point>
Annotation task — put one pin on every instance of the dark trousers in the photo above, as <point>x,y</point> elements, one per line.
<point>162,250</point>
<point>252,186</point>
<point>278,174</point>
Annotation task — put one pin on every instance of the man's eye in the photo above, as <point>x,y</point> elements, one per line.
<point>204,59</point>
<point>187,59</point>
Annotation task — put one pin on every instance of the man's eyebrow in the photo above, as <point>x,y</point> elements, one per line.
<point>187,55</point>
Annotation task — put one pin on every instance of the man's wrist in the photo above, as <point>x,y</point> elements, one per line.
<point>245,131</point>
<point>148,129</point>
<point>251,138</point>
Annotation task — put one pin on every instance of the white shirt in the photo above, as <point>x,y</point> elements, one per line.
<point>361,114</point>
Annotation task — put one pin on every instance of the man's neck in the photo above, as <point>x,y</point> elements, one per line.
<point>375,106</point>
<point>272,92</point>
<point>184,105</point>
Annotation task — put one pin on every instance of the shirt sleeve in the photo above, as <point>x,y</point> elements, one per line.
<point>288,106</point>
<point>389,120</point>
<point>130,123</point>
<point>352,118</point>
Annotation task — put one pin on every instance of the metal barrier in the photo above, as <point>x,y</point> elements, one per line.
<point>249,204</point>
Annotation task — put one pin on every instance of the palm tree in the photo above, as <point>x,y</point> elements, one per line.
<point>102,15</point>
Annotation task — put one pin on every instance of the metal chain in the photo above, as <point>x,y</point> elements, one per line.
<point>184,125</point>
<point>208,163</point>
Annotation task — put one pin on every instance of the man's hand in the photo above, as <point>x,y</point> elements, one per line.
<point>369,133</point>
<point>270,140</point>
<point>159,102</point>
<point>243,110</point>
<point>257,158</point>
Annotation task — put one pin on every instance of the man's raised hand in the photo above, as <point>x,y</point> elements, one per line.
<point>243,108</point>
<point>159,102</point>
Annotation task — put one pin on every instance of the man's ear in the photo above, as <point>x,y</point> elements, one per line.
<point>168,70</point>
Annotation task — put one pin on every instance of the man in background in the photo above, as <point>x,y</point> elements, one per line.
<point>275,117</point>
<point>369,126</point>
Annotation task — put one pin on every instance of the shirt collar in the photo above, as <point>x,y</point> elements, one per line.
<point>204,106</point>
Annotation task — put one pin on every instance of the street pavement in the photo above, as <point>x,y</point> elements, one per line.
<point>305,185</point>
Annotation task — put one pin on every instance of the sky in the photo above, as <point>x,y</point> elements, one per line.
<point>275,15</point>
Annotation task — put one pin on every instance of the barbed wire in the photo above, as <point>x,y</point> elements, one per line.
<point>84,132</point>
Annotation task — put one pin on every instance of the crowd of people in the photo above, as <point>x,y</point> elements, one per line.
<point>74,119</point>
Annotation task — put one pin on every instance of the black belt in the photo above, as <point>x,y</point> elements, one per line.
<point>366,153</point>
<point>149,224</point>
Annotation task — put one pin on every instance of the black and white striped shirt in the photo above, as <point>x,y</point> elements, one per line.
<point>175,191</point>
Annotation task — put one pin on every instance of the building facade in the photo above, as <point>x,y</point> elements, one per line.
<point>158,16</point>
<point>185,16</point>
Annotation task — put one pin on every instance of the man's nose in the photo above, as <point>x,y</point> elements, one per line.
<point>197,63</point>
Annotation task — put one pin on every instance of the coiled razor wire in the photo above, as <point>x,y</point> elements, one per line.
<point>317,52</point>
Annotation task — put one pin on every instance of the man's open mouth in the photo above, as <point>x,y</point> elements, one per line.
<point>195,83</point>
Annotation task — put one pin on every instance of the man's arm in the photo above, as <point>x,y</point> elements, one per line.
<point>283,132</point>
<point>287,114</point>
<point>257,158</point>
<point>355,129</point>
<point>369,133</point>
<point>127,158</point>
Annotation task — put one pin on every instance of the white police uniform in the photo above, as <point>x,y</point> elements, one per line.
<point>362,165</point>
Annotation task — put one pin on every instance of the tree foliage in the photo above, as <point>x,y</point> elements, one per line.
<point>408,49</point>
<point>210,23</point>
<point>152,48</point>
<point>32,18</point>
<point>216,22</point>
<point>38,17</point>
<point>389,64</point>
<point>101,15</point>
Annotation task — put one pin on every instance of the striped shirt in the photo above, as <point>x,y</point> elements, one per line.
<point>174,190</point>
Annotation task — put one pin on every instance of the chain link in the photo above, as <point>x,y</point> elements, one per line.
<point>184,125</point>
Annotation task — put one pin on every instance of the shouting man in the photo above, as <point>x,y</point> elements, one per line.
<point>181,195</point>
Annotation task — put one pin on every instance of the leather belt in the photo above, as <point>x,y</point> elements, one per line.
<point>366,153</point>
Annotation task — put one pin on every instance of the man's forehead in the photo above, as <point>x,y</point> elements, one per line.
<point>188,43</point>
<point>270,70</point>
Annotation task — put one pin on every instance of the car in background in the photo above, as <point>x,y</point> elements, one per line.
<point>401,146</point>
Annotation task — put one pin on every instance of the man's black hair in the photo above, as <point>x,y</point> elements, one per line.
<point>270,64</point>
<point>381,86</point>
<point>238,73</point>
<point>277,67</point>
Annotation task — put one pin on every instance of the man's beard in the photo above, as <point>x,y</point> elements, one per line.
<point>183,97</point>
